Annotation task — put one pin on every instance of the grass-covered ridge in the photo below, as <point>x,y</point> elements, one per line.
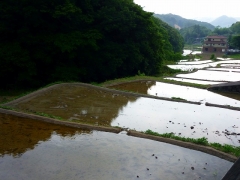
<point>201,141</point>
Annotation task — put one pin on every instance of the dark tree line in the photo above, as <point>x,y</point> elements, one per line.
<point>44,41</point>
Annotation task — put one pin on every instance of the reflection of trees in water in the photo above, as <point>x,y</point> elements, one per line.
<point>78,104</point>
<point>137,86</point>
<point>18,135</point>
<point>229,95</point>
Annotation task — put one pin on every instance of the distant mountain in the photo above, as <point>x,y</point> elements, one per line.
<point>178,21</point>
<point>224,21</point>
<point>204,19</point>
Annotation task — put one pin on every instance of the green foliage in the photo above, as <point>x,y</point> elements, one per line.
<point>221,31</point>
<point>194,34</point>
<point>235,28</point>
<point>89,41</point>
<point>212,56</point>
<point>166,71</point>
<point>235,41</point>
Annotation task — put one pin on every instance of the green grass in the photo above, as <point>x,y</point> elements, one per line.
<point>234,56</point>
<point>202,141</point>
<point>47,115</point>
<point>178,98</point>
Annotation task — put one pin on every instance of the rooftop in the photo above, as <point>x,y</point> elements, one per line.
<point>222,37</point>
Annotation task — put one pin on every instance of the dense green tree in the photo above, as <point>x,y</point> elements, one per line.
<point>235,28</point>
<point>235,42</point>
<point>194,34</point>
<point>88,40</point>
<point>221,31</point>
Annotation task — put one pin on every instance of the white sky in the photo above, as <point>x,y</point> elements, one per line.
<point>192,9</point>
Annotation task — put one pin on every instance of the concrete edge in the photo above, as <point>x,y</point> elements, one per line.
<point>58,122</point>
<point>223,106</point>
<point>31,95</point>
<point>205,149</point>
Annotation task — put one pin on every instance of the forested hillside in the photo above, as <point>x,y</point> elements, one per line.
<point>62,40</point>
<point>194,34</point>
<point>173,20</point>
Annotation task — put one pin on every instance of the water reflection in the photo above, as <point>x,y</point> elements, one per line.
<point>230,95</point>
<point>195,81</point>
<point>135,86</point>
<point>212,75</point>
<point>170,90</point>
<point>18,135</point>
<point>224,69</point>
<point>89,105</point>
<point>78,104</point>
<point>173,117</point>
<point>103,156</point>
<point>190,67</point>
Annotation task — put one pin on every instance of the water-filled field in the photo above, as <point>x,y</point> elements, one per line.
<point>97,106</point>
<point>30,149</point>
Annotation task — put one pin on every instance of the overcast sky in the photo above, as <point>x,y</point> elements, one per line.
<point>192,9</point>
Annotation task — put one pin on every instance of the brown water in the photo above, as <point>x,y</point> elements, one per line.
<point>99,107</point>
<point>36,150</point>
<point>170,90</point>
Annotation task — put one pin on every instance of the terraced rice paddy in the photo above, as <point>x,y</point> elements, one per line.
<point>99,106</point>
<point>32,149</point>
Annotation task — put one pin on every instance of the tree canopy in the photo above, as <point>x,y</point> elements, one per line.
<point>61,40</point>
<point>194,34</point>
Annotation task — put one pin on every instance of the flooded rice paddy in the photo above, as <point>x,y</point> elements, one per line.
<point>31,149</point>
<point>212,76</point>
<point>101,107</point>
<point>204,82</point>
<point>196,62</point>
<point>190,67</point>
<point>171,90</point>
<point>224,69</point>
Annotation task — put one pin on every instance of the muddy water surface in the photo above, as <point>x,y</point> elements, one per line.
<point>56,152</point>
<point>91,105</point>
<point>170,90</point>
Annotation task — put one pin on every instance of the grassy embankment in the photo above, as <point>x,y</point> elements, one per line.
<point>201,141</point>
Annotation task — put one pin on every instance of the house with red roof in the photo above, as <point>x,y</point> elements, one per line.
<point>215,44</point>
